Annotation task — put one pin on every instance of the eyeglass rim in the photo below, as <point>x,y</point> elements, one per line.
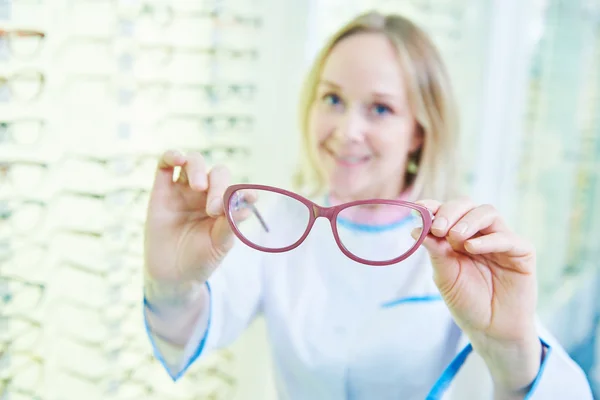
<point>330,213</point>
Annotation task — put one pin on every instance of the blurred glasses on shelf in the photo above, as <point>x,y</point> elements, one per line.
<point>165,14</point>
<point>22,177</point>
<point>195,124</point>
<point>184,25</point>
<point>19,296</point>
<point>226,154</point>
<point>87,325</point>
<point>19,218</point>
<point>93,287</point>
<point>110,385</point>
<point>116,348</point>
<point>21,43</point>
<point>172,95</point>
<point>99,55</point>
<point>19,333</point>
<point>22,86</point>
<point>137,374</point>
<point>117,175</point>
<point>82,365</point>
<point>114,277</point>
<point>21,374</point>
<point>168,61</point>
<point>86,54</point>
<point>117,205</point>
<point>125,237</point>
<point>95,322</point>
<point>27,219</point>
<point>21,131</point>
<point>26,260</point>
<point>121,165</point>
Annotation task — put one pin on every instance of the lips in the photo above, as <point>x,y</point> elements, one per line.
<point>349,160</point>
<point>352,160</point>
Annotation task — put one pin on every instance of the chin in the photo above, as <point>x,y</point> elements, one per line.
<point>349,193</point>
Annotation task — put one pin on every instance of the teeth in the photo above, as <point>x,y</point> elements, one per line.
<point>352,160</point>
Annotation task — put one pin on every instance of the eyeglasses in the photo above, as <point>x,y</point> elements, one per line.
<point>193,125</point>
<point>25,131</point>
<point>19,333</point>
<point>18,296</point>
<point>20,218</point>
<point>24,372</point>
<point>22,176</point>
<point>23,43</point>
<point>225,153</point>
<point>373,232</point>
<point>154,93</point>
<point>24,85</point>
<point>24,259</point>
<point>165,15</point>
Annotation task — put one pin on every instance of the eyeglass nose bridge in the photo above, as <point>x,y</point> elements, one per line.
<point>328,212</point>
<point>321,211</point>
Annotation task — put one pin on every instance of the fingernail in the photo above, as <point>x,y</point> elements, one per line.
<point>439,224</point>
<point>475,242</point>
<point>416,233</point>
<point>200,182</point>
<point>460,228</point>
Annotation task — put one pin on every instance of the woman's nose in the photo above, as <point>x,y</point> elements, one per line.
<point>351,127</point>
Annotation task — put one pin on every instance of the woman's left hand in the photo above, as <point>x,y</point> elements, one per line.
<point>486,274</point>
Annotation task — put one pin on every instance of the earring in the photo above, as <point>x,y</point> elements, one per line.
<point>412,167</point>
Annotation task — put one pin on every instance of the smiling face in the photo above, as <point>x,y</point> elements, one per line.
<point>361,119</point>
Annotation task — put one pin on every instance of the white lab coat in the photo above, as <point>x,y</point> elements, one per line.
<point>343,330</point>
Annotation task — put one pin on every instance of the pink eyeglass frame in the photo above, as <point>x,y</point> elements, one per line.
<point>331,213</point>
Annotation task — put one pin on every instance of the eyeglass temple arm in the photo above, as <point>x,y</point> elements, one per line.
<point>260,218</point>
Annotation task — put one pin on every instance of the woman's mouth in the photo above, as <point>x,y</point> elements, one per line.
<point>351,160</point>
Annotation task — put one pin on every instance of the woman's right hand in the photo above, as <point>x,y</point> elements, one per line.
<point>187,234</point>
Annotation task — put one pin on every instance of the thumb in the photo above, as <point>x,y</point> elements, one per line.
<point>441,254</point>
<point>221,235</point>
<point>166,165</point>
<point>436,247</point>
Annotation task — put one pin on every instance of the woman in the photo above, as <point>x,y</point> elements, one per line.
<point>378,122</point>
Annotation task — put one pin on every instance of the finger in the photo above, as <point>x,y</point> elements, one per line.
<point>221,235</point>
<point>499,242</point>
<point>194,172</point>
<point>431,205</point>
<point>485,219</point>
<point>170,159</point>
<point>240,215</point>
<point>448,214</point>
<point>166,164</point>
<point>218,181</point>
<point>249,196</point>
<point>437,248</point>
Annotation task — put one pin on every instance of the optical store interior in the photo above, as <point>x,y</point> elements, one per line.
<point>92,92</point>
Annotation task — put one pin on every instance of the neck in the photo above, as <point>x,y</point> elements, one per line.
<point>381,215</point>
<point>335,199</point>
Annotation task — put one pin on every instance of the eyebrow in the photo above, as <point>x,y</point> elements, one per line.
<point>381,95</point>
<point>329,83</point>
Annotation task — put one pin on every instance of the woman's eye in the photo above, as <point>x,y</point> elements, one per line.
<point>381,109</point>
<point>331,99</point>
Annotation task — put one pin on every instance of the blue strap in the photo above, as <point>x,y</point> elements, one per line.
<point>440,387</point>
<point>412,299</point>
<point>442,384</point>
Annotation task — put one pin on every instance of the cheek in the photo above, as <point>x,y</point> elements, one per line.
<point>321,125</point>
<point>393,140</point>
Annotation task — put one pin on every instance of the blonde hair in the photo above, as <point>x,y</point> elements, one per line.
<point>430,97</point>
